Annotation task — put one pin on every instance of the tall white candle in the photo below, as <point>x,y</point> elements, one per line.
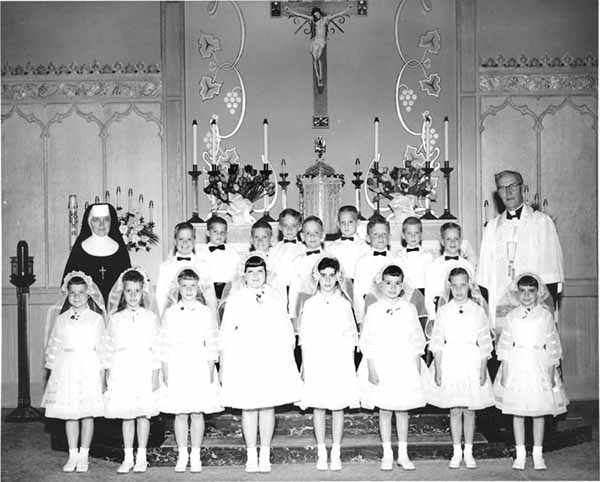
<point>427,132</point>
<point>376,138</point>
<point>151,211</point>
<point>446,158</point>
<point>130,200</point>
<point>213,131</point>
<point>140,203</point>
<point>265,141</point>
<point>195,141</point>
<point>118,196</point>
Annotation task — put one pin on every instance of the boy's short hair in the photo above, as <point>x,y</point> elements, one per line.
<point>528,280</point>
<point>312,219</point>
<point>348,208</point>
<point>501,174</point>
<point>329,262</point>
<point>215,220</point>
<point>188,274</point>
<point>393,270</point>
<point>375,220</point>
<point>261,224</point>
<point>290,212</point>
<point>450,225</point>
<point>412,221</point>
<point>182,226</point>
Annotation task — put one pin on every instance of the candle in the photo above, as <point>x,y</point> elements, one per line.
<point>130,200</point>
<point>195,141</point>
<point>72,201</point>
<point>86,205</point>
<point>427,133</point>
<point>376,138</point>
<point>265,141</point>
<point>283,165</point>
<point>446,158</point>
<point>213,132</point>
<point>485,212</point>
<point>545,205</point>
<point>96,200</point>
<point>22,256</point>
<point>118,197</point>
<point>140,203</point>
<point>150,211</point>
<point>357,164</point>
<point>107,196</point>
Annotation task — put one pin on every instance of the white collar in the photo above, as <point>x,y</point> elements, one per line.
<point>100,245</point>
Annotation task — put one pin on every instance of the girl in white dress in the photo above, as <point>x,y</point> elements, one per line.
<point>258,371</point>
<point>528,383</point>
<point>74,356</point>
<point>188,351</point>
<point>133,364</point>
<point>328,336</point>
<point>461,345</point>
<point>392,342</point>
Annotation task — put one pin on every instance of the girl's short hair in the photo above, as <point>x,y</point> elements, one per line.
<point>255,262</point>
<point>393,270</point>
<point>528,280</point>
<point>76,281</point>
<point>446,226</point>
<point>188,274</point>
<point>328,262</point>
<point>183,226</point>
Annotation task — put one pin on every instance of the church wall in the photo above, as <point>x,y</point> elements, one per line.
<point>54,145</point>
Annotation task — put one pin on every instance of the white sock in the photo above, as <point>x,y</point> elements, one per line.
<point>537,451</point>
<point>251,452</point>
<point>402,449</point>
<point>387,449</point>
<point>321,450</point>
<point>469,449</point>
<point>336,450</point>
<point>183,452</point>
<point>84,452</point>
<point>265,452</point>
<point>73,453</point>
<point>195,452</point>
<point>457,450</point>
<point>520,451</point>
<point>128,454</point>
<point>141,454</point>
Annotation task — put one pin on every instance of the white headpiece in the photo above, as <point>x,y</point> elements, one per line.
<point>343,282</point>
<point>99,211</point>
<point>410,294</point>
<point>114,298</point>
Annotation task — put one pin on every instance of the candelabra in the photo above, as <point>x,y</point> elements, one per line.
<point>73,221</point>
<point>266,171</point>
<point>447,170</point>
<point>214,172</point>
<point>358,182</point>
<point>22,277</point>
<point>283,184</point>
<point>195,173</point>
<point>428,213</point>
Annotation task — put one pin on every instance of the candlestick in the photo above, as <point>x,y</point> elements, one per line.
<point>545,205</point>
<point>446,156</point>
<point>86,205</point>
<point>130,200</point>
<point>428,213</point>
<point>265,141</point>
<point>106,196</point>
<point>427,139</point>
<point>376,154</point>
<point>213,132</point>
<point>283,184</point>
<point>267,174</point>
<point>140,203</point>
<point>195,141</point>
<point>195,173</point>
<point>283,165</point>
<point>72,219</point>
<point>150,211</point>
<point>97,200</point>
<point>118,197</point>
<point>447,170</point>
<point>358,182</point>
<point>485,212</point>
<point>357,164</point>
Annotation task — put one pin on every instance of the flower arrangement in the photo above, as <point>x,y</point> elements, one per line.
<point>408,180</point>
<point>230,182</point>
<point>137,233</point>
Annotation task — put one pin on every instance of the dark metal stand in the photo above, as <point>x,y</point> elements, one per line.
<point>195,173</point>
<point>447,214</point>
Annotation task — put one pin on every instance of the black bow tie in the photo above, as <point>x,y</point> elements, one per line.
<point>212,248</point>
<point>410,250</point>
<point>517,214</point>
<point>379,253</point>
<point>293,241</point>
<point>316,251</point>
<point>183,258</point>
<point>448,258</point>
<point>347,238</point>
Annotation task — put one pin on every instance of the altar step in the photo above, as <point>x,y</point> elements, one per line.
<point>293,442</point>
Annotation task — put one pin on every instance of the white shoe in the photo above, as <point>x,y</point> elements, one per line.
<point>82,464</point>
<point>181,464</point>
<point>469,461</point>
<point>195,464</point>
<point>252,463</point>
<point>455,461</point>
<point>322,462</point>
<point>336,463</point>
<point>125,467</point>
<point>387,463</point>
<point>405,463</point>
<point>539,463</point>
<point>264,460</point>
<point>141,465</point>
<point>71,464</point>
<point>519,463</point>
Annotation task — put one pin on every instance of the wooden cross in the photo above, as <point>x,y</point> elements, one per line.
<point>318,19</point>
<point>102,271</point>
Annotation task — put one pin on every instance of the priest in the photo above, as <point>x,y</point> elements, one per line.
<point>518,240</point>
<point>99,250</point>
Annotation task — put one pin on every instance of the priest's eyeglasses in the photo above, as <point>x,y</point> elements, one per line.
<point>511,188</point>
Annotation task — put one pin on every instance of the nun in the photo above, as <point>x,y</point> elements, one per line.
<point>99,250</point>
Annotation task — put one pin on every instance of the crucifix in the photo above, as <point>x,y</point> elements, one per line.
<point>102,270</point>
<point>318,19</point>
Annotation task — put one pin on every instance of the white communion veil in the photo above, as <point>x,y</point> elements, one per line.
<point>114,297</point>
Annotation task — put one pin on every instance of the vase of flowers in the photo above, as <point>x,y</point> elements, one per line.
<point>138,234</point>
<point>235,189</point>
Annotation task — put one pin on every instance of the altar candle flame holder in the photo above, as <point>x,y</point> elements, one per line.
<point>195,174</point>
<point>447,170</point>
<point>267,174</point>
<point>283,184</point>
<point>358,182</point>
